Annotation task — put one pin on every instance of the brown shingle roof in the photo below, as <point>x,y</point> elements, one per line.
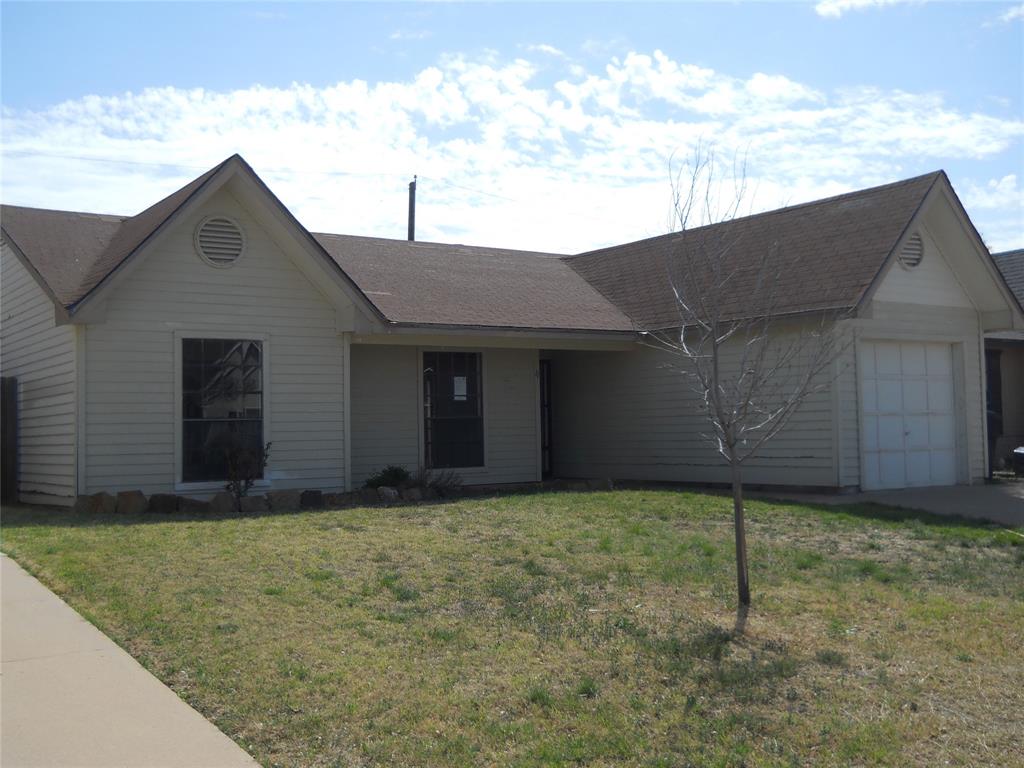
<point>835,247</point>
<point>831,249</point>
<point>1011,264</point>
<point>61,246</point>
<point>74,252</point>
<point>437,284</point>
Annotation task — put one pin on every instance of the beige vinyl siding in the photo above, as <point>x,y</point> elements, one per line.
<point>889,321</point>
<point>386,413</point>
<point>932,282</point>
<point>131,374</point>
<point>41,355</point>
<point>632,416</point>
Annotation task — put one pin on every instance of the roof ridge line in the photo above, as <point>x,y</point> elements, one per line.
<point>763,214</point>
<point>443,245</point>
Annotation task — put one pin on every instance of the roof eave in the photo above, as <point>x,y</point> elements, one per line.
<point>63,315</point>
<point>416,327</point>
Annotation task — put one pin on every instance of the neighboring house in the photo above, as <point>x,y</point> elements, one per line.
<point>1004,359</point>
<point>138,340</point>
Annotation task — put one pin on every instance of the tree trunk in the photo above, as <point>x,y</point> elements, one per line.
<point>742,577</point>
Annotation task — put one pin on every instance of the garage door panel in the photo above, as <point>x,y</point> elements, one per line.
<point>939,359</point>
<point>919,470</point>
<point>944,465</point>
<point>892,469</point>
<point>940,395</point>
<point>866,360</point>
<point>872,478</point>
<point>890,396</point>
<point>869,398</point>
<point>887,359</point>
<point>908,435</point>
<point>916,432</point>
<point>890,433</point>
<point>940,431</point>
<point>915,395</point>
<point>869,433</point>
<point>912,359</point>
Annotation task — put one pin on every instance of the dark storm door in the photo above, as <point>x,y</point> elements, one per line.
<point>545,418</point>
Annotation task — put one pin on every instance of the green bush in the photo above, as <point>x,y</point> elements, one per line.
<point>444,482</point>
<point>392,476</point>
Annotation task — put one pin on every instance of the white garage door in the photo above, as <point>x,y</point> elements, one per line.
<point>908,435</point>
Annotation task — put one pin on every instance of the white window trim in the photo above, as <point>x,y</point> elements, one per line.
<point>200,333</point>
<point>479,469</point>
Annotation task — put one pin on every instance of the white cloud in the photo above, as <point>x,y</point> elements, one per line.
<point>1012,14</point>
<point>836,8</point>
<point>550,50</point>
<point>507,155</point>
<point>995,193</point>
<point>410,34</point>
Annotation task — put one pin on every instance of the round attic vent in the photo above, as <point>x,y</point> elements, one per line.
<point>912,252</point>
<point>220,241</point>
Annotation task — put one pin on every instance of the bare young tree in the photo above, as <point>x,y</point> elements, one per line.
<point>751,359</point>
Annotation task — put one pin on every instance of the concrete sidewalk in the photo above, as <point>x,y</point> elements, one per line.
<point>70,697</point>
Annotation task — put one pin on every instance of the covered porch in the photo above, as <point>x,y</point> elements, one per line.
<point>483,406</point>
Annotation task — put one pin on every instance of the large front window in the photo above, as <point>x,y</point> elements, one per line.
<point>453,422</point>
<point>222,404</point>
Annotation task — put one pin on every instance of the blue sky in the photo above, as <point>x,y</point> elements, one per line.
<point>545,126</point>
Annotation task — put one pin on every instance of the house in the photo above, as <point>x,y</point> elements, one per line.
<point>1004,362</point>
<point>138,341</point>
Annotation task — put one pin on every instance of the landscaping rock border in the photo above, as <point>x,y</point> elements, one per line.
<point>223,504</point>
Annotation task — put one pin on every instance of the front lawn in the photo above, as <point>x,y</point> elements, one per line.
<point>563,629</point>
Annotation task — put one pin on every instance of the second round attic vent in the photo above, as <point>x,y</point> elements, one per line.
<point>220,241</point>
<point>912,252</point>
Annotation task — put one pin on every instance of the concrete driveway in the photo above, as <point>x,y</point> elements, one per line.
<point>71,697</point>
<point>1001,503</point>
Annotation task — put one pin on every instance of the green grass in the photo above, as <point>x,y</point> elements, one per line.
<point>564,629</point>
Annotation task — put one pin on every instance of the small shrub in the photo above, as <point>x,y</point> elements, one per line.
<point>392,476</point>
<point>540,696</point>
<point>244,463</point>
